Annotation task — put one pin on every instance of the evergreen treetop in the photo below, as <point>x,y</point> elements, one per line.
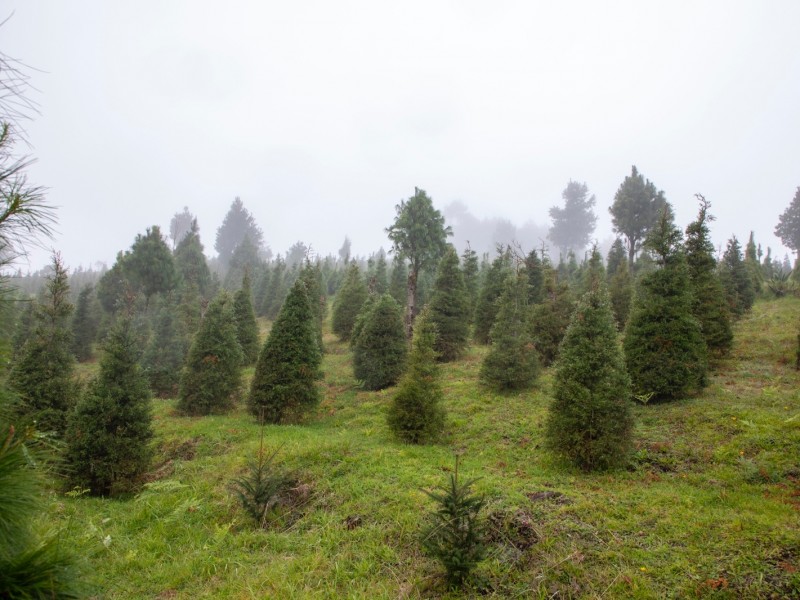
<point>449,308</point>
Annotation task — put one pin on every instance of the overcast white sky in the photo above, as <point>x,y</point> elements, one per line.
<point>322,115</point>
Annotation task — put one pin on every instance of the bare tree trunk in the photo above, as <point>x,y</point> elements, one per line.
<point>411,302</point>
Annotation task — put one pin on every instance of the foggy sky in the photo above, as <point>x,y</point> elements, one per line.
<point>322,115</point>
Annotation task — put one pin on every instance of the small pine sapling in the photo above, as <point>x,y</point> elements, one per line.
<point>456,535</point>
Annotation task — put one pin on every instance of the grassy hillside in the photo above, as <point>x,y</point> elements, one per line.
<point>709,506</point>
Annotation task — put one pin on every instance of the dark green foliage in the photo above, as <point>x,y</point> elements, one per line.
<point>109,432</point>
<point>283,386</point>
<point>237,225</point>
<point>84,325</point>
<point>263,488</point>
<point>165,351</point>
<point>736,280</point>
<point>470,270</point>
<point>664,348</point>
<point>380,348</point>
<point>113,285</point>
<point>616,256</point>
<point>753,264</point>
<point>573,225</point>
<point>492,289</point>
<point>398,280</point>
<point>380,276</point>
<point>149,265</point>
<point>788,227</point>
<point>637,205</point>
<point>620,290</point>
<point>551,317</point>
<point>512,362</point>
<point>416,414</point>
<point>419,235</point>
<point>26,322</point>
<point>348,303</point>
<point>456,535</point>
<point>449,308</point>
<point>190,262</point>
<point>534,269</point>
<point>246,324</point>
<point>311,276</point>
<point>42,372</point>
<point>30,567</point>
<point>590,420</point>
<point>212,376</point>
<point>709,304</point>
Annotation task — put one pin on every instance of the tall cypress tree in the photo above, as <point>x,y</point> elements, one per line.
<point>449,308</point>
<point>380,347</point>
<point>109,433</point>
<point>492,289</point>
<point>284,384</point>
<point>348,302</point>
<point>664,348</point>
<point>416,414</point>
<point>590,420</point>
<point>212,376</point>
<point>512,362</point>
<point>42,372</point>
<point>708,305</point>
<point>246,324</point>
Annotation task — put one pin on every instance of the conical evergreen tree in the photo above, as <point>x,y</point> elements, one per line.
<point>379,350</point>
<point>449,308</point>
<point>616,256</point>
<point>398,280</point>
<point>274,297</point>
<point>84,325</point>
<point>709,306</point>
<point>590,420</point>
<point>381,274</point>
<point>246,324</point>
<point>166,350</point>
<point>492,289</point>
<point>736,280</point>
<point>512,362</point>
<point>212,376</point>
<point>620,290</point>
<point>534,269</point>
<point>190,262</point>
<point>416,414</point>
<point>470,270</point>
<point>283,387</point>
<point>109,432</point>
<point>42,372</point>
<point>551,316</point>
<point>149,265</point>
<point>753,264</point>
<point>664,348</point>
<point>311,275</point>
<point>348,303</point>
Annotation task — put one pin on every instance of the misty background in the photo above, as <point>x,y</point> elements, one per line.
<point>322,116</point>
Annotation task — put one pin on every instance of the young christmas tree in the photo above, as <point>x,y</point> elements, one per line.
<point>416,414</point>
<point>512,362</point>
<point>664,348</point>
<point>380,348</point>
<point>246,324</point>
<point>449,308</point>
<point>534,269</point>
<point>551,316</point>
<point>84,325</point>
<point>311,275</point>
<point>42,373</point>
<point>190,262</point>
<point>166,350</point>
<point>109,432</point>
<point>470,270</point>
<point>590,420</point>
<point>620,290</point>
<point>284,385</point>
<point>709,304</point>
<point>212,376</point>
<point>736,279</point>
<point>492,289</point>
<point>348,303</point>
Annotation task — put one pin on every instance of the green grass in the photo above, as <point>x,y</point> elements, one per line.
<point>708,508</point>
